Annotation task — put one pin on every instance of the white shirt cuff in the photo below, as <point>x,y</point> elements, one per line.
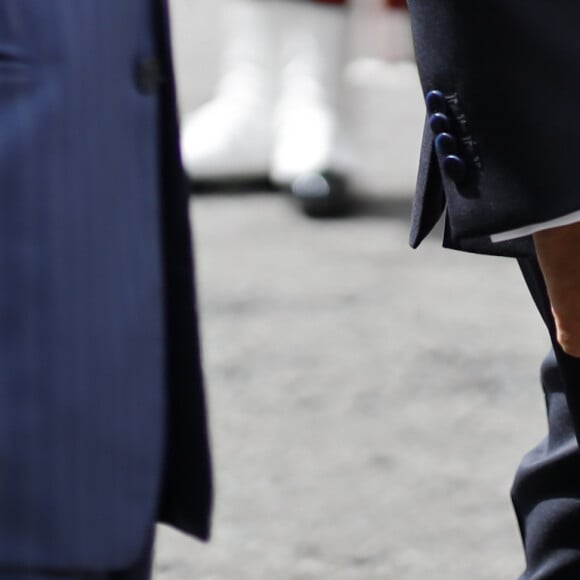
<point>564,220</point>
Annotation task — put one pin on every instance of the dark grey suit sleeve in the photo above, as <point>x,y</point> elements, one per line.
<point>503,104</point>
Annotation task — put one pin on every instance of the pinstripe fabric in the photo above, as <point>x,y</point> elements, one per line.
<point>91,207</point>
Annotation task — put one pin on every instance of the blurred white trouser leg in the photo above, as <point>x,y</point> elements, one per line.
<point>231,136</point>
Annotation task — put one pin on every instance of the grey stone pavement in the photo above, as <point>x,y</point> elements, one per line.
<point>369,404</point>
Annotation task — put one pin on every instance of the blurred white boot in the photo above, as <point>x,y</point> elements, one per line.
<point>307,156</point>
<point>230,137</point>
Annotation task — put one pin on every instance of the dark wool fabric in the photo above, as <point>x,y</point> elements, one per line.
<point>500,151</point>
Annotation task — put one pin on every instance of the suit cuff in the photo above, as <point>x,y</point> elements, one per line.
<point>564,220</point>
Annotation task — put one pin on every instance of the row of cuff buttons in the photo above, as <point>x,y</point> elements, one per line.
<point>446,143</point>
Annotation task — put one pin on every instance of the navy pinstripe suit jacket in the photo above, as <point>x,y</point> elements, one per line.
<point>102,420</point>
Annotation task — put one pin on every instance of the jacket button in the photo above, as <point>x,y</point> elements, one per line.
<point>455,168</point>
<point>439,123</point>
<point>446,144</point>
<point>436,102</point>
<point>148,75</point>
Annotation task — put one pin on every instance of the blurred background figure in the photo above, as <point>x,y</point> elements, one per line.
<point>279,111</point>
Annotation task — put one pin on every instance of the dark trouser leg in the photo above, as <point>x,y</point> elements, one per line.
<point>546,490</point>
<point>140,570</point>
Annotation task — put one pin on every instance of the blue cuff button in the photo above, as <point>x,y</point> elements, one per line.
<point>446,144</point>
<point>436,102</point>
<point>439,123</point>
<point>455,168</point>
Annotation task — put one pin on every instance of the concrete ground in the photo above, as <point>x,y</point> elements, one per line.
<point>368,404</point>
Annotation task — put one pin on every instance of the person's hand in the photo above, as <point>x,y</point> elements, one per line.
<point>558,252</point>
